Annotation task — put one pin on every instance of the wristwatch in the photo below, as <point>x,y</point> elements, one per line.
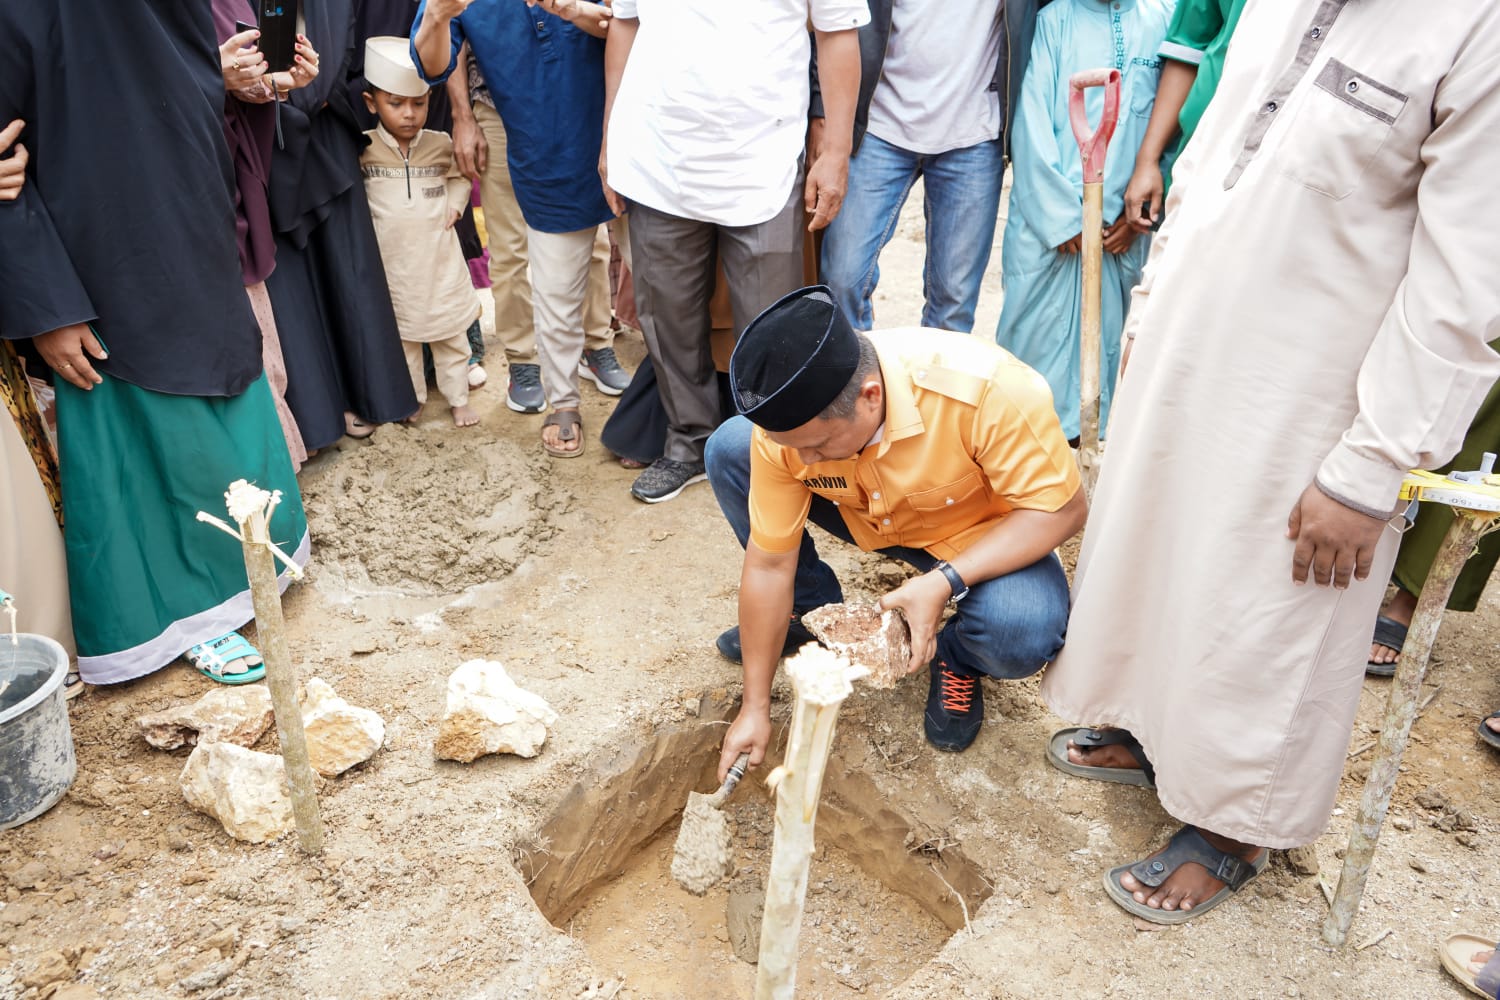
<point>960,589</point>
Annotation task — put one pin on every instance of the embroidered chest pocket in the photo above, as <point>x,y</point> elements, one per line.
<point>1344,121</point>
<point>956,505</point>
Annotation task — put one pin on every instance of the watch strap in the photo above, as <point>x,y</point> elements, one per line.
<point>955,581</point>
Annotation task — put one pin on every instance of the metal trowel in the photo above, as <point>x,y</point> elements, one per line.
<point>704,852</point>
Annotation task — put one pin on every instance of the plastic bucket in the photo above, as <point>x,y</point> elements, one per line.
<point>36,743</point>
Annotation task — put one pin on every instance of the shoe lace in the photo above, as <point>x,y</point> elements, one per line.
<point>526,375</point>
<point>957,692</point>
<point>604,358</point>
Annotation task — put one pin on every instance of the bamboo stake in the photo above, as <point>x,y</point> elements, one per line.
<point>252,508</point>
<point>1400,713</point>
<point>822,682</point>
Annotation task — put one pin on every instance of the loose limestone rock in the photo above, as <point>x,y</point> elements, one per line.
<point>244,790</point>
<point>864,635</point>
<point>239,715</point>
<point>339,735</point>
<point>487,713</point>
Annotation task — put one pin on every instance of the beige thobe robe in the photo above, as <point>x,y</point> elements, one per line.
<point>1317,305</point>
<point>411,201</point>
<point>32,566</point>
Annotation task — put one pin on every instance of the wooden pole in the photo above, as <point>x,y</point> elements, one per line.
<point>1400,713</point>
<point>1093,145</point>
<point>281,679</point>
<point>821,680</point>
<point>1089,327</point>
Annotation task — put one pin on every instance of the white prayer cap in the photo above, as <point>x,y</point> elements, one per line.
<point>388,66</point>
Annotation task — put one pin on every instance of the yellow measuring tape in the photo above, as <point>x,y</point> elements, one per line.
<point>1479,490</point>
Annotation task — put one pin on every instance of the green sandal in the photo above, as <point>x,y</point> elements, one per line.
<point>210,659</point>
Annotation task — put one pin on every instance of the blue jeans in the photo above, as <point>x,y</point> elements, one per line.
<point>961,190</point>
<point>1008,627</point>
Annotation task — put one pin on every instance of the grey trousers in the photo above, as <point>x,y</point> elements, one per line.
<point>674,280</point>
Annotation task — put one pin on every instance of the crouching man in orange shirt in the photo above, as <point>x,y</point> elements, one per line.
<point>935,448</point>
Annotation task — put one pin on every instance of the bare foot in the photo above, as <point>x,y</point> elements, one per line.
<point>1191,883</point>
<point>463,416</point>
<point>1494,724</point>
<point>411,421</point>
<point>1481,958</point>
<point>1401,608</point>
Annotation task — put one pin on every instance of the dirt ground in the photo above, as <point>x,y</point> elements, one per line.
<point>434,546</point>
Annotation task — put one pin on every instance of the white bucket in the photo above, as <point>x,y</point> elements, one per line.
<point>36,743</point>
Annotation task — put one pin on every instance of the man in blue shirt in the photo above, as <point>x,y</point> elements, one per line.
<point>547,78</point>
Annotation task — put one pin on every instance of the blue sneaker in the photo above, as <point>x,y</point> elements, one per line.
<point>604,368</point>
<point>955,707</point>
<point>525,394</point>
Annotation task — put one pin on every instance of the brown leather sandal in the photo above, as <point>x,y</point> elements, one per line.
<point>569,426</point>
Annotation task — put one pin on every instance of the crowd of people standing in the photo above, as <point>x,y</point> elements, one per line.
<point>213,268</point>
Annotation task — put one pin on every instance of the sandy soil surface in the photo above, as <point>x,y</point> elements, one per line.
<point>435,545</point>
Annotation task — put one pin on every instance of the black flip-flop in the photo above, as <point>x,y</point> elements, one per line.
<point>1392,635</point>
<point>1090,738</point>
<point>1187,845</point>
<point>1487,734</point>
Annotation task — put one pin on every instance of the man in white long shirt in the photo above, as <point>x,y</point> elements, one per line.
<point>705,122</point>
<point>1312,323</point>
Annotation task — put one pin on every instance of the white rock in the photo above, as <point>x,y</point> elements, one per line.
<point>239,715</point>
<point>244,790</point>
<point>339,735</point>
<point>487,713</point>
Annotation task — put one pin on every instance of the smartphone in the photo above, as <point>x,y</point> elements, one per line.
<point>278,32</point>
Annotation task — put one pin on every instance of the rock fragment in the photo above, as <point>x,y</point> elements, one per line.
<point>1304,860</point>
<point>239,715</point>
<point>864,635</point>
<point>487,713</point>
<point>244,790</point>
<point>339,735</point>
<point>50,967</point>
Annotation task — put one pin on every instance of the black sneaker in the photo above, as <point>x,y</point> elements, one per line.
<point>604,368</point>
<point>955,707</point>
<point>797,636</point>
<point>525,394</point>
<point>665,478</point>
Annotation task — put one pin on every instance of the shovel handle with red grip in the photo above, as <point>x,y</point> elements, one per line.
<point>1092,143</point>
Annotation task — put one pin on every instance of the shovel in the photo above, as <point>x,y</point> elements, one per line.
<point>703,854</point>
<point>1092,147</point>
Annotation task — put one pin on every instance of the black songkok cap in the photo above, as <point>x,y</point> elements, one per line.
<point>793,360</point>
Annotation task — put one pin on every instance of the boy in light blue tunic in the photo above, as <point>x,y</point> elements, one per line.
<point>1042,264</point>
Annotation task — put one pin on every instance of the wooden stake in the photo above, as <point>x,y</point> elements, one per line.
<point>1400,713</point>
<point>281,679</point>
<point>251,509</point>
<point>821,680</point>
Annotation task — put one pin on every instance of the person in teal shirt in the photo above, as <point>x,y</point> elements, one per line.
<point>1041,264</point>
<point>1192,61</point>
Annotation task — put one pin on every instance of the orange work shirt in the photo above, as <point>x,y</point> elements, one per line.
<point>969,435</point>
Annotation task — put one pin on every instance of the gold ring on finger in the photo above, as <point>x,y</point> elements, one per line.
<point>66,364</point>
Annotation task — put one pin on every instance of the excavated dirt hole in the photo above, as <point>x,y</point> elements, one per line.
<point>877,905</point>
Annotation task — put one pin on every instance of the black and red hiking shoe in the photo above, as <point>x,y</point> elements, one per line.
<point>955,707</point>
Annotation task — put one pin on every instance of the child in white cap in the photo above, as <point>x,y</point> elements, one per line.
<point>416,193</point>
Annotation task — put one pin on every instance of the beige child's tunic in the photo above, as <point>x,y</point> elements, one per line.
<point>411,201</point>
<point>1317,306</point>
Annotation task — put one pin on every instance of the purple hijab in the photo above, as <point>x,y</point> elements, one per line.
<point>250,130</point>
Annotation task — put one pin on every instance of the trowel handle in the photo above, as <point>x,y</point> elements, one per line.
<point>736,772</point>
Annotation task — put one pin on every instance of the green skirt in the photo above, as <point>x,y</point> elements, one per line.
<point>1419,546</point>
<point>148,579</point>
